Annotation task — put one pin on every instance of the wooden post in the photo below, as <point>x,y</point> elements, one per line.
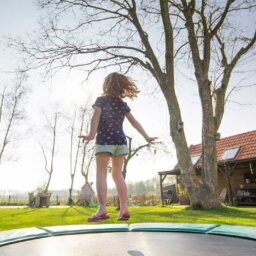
<point>161,189</point>
<point>161,186</point>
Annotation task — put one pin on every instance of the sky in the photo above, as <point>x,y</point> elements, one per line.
<point>67,90</point>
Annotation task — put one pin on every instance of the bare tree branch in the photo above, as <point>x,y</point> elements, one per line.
<point>49,160</point>
<point>10,112</point>
<point>221,20</point>
<point>45,158</point>
<point>228,68</point>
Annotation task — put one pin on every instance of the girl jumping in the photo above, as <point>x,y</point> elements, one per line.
<point>107,122</point>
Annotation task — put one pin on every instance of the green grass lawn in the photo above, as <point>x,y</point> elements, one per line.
<point>42,217</point>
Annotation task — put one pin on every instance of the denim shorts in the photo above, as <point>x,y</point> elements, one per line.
<point>114,150</point>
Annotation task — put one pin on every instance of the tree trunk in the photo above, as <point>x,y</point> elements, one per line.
<point>195,188</point>
<point>52,152</point>
<point>227,174</point>
<point>200,194</point>
<point>197,191</point>
<point>208,196</point>
<point>125,168</point>
<point>48,182</point>
<point>209,159</point>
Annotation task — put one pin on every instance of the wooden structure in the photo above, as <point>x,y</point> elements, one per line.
<point>236,157</point>
<point>31,199</point>
<point>87,194</point>
<point>42,199</point>
<point>167,193</point>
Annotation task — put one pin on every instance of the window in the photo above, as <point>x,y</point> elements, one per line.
<point>230,153</point>
<point>195,159</point>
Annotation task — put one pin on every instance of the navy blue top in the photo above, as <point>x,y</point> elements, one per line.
<point>110,129</point>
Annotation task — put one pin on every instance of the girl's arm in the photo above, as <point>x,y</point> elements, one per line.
<point>139,128</point>
<point>94,126</point>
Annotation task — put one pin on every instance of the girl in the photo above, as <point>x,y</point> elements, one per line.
<point>107,121</point>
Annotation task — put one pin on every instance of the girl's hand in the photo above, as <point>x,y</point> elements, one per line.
<point>151,140</point>
<point>86,138</point>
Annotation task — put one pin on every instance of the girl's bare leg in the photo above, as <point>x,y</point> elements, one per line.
<point>117,167</point>
<point>102,160</point>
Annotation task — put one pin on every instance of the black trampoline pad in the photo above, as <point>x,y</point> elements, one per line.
<point>133,244</point>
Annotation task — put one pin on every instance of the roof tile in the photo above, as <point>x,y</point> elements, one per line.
<point>245,141</point>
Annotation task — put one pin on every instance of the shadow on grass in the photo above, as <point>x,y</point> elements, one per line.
<point>228,211</point>
<point>20,213</point>
<point>65,213</point>
<point>222,215</point>
<point>79,209</point>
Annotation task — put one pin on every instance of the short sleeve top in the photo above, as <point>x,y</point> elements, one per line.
<point>110,129</point>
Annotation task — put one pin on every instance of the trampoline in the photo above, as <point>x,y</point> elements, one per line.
<point>144,239</point>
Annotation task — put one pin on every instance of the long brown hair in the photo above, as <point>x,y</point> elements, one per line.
<point>118,85</point>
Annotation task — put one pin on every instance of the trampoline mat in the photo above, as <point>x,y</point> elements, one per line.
<point>133,244</point>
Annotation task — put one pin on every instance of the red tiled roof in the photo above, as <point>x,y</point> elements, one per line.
<point>245,141</point>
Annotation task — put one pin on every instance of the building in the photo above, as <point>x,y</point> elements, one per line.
<point>87,194</point>
<point>236,156</point>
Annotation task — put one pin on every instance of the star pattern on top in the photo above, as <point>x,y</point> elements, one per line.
<point>110,129</point>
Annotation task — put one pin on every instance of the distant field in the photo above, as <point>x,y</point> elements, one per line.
<point>40,217</point>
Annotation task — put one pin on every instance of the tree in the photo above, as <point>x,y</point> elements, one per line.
<point>85,165</point>
<point>87,150</point>
<point>11,112</point>
<point>126,30</point>
<point>49,158</point>
<point>206,25</point>
<point>73,164</point>
<point>74,137</point>
<point>131,153</point>
<point>134,151</point>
